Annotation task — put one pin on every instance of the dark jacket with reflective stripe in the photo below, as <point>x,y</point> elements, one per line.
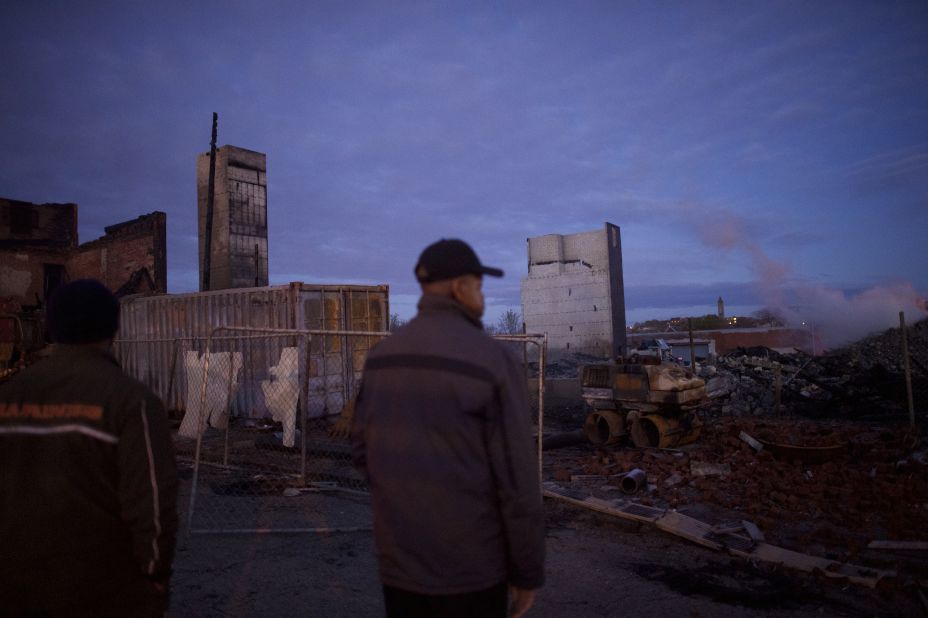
<point>443,431</point>
<point>88,484</point>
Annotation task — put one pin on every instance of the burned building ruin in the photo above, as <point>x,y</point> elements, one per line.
<point>238,238</point>
<point>39,249</point>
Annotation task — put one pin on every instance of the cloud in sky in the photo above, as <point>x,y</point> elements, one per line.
<point>754,143</point>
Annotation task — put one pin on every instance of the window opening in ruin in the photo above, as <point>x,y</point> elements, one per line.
<point>22,220</point>
<point>568,291</point>
<point>53,276</point>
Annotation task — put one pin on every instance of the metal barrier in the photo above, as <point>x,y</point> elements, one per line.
<point>265,425</point>
<point>260,405</point>
<point>541,343</point>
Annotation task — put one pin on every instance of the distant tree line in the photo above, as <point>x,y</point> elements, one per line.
<point>508,323</point>
<point>761,318</point>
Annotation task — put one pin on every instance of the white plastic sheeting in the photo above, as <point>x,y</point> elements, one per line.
<point>282,392</point>
<point>221,387</point>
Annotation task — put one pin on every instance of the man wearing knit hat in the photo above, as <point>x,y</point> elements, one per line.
<point>442,430</point>
<point>88,484</point>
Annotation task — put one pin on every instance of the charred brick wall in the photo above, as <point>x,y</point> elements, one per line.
<point>39,250</point>
<point>130,258</point>
<point>24,224</point>
<point>36,241</point>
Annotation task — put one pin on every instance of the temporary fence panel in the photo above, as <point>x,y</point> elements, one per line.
<point>266,473</point>
<point>163,328</point>
<point>539,343</point>
<point>263,470</point>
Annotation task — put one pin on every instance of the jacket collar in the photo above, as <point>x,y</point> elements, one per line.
<point>430,304</point>
<point>77,352</point>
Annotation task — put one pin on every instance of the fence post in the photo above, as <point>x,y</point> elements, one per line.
<point>777,386</point>
<point>542,360</point>
<point>171,380</point>
<point>304,409</point>
<point>228,411</point>
<point>908,369</point>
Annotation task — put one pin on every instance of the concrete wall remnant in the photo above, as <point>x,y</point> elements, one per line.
<point>238,252</point>
<point>574,292</point>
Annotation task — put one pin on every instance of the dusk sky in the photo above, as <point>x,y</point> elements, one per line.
<point>773,153</point>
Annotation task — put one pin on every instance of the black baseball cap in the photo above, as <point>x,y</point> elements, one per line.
<point>450,258</point>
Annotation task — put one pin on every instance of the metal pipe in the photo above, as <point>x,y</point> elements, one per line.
<point>634,480</point>
<point>210,196</point>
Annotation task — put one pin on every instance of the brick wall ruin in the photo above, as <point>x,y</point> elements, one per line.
<point>39,249</point>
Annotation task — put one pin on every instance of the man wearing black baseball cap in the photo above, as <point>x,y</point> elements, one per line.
<point>443,431</point>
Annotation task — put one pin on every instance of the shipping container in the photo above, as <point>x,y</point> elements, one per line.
<point>157,332</point>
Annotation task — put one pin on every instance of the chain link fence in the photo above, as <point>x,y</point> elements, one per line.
<point>266,415</point>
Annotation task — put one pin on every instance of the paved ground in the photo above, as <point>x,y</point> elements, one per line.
<point>596,566</point>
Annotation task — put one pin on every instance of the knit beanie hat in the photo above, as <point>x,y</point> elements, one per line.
<point>82,311</point>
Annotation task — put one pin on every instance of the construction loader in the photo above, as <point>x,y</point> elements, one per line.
<point>650,402</point>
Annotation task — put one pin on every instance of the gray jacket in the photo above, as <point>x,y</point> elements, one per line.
<point>443,432</point>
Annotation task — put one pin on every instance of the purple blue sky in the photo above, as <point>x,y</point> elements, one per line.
<point>768,152</point>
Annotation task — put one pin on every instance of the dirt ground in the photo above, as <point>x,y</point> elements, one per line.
<point>871,484</point>
<point>596,566</point>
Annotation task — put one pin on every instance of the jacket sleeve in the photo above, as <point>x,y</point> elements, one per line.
<point>148,486</point>
<point>515,468</point>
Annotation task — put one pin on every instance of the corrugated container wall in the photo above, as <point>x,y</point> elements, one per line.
<point>156,332</point>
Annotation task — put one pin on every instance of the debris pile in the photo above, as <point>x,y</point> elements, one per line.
<point>864,380</point>
<point>566,366</point>
<point>875,485</point>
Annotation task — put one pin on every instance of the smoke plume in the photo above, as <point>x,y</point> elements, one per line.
<point>836,316</point>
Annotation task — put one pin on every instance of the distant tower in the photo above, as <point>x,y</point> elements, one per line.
<point>575,292</point>
<point>721,305</point>
<point>239,238</point>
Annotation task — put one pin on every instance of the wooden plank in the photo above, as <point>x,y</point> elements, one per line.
<point>702,468</point>
<point>813,564</point>
<point>754,444</point>
<point>753,531</point>
<point>697,531</point>
<point>687,527</point>
<point>917,545</point>
<point>618,508</point>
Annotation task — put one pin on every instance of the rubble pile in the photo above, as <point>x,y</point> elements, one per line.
<point>863,380</point>
<point>875,486</point>
<point>566,366</point>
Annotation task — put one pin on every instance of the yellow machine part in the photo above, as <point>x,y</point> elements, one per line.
<point>604,427</point>
<point>669,432</point>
